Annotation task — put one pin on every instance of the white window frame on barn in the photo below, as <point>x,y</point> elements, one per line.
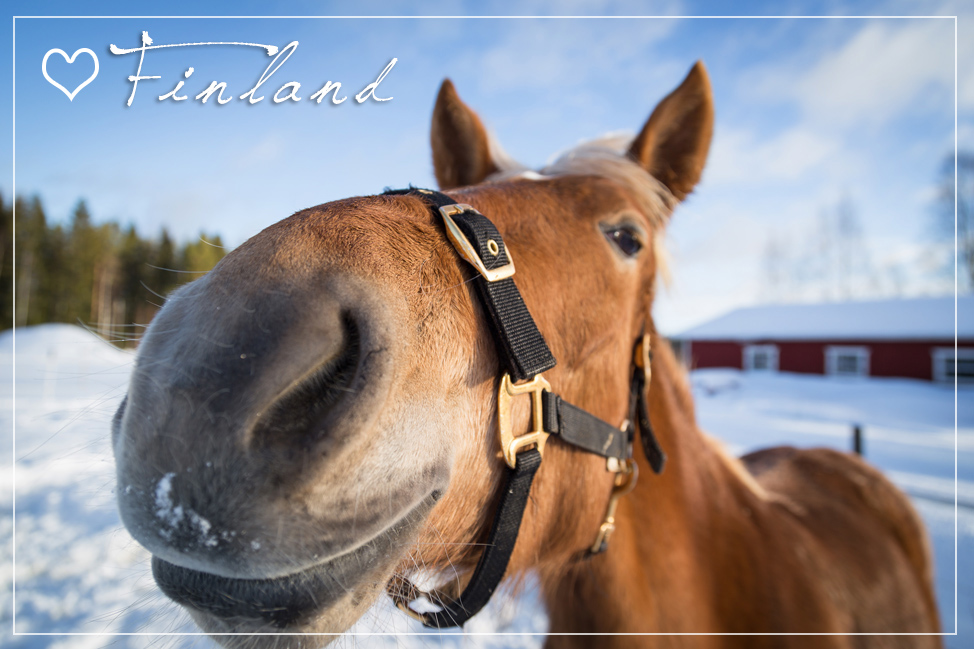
<point>837,360</point>
<point>942,355</point>
<point>752,351</point>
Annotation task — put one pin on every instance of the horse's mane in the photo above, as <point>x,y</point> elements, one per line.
<point>605,157</point>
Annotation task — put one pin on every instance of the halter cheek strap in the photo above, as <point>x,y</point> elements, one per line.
<point>525,355</point>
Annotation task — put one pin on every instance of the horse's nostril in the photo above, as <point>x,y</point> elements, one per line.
<point>301,410</point>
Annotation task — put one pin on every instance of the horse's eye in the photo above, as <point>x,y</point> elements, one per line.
<point>625,238</point>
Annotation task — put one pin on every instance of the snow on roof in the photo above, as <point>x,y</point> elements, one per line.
<point>899,319</point>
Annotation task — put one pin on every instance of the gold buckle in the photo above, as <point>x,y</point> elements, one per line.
<point>510,445</point>
<point>462,244</point>
<point>623,483</point>
<point>643,357</point>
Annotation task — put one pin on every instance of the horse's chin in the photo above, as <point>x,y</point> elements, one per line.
<point>325,599</point>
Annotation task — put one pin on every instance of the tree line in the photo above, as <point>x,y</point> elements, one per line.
<point>829,259</point>
<point>106,277</point>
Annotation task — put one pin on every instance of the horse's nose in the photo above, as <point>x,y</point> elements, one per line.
<point>238,411</point>
<point>302,411</point>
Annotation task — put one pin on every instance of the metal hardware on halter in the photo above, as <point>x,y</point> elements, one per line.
<point>639,406</point>
<point>510,445</point>
<point>643,357</point>
<point>623,483</point>
<point>612,463</point>
<point>467,251</point>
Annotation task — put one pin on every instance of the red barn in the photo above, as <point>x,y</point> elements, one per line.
<point>912,338</point>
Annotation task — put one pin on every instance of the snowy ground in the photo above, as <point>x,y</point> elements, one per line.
<point>78,571</point>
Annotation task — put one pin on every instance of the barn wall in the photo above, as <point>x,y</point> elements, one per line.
<point>911,359</point>
<point>716,353</point>
<point>804,357</point>
<point>801,356</point>
<point>907,359</point>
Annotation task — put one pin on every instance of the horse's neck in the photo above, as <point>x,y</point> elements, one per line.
<point>661,568</point>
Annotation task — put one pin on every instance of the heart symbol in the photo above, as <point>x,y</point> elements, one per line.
<point>54,83</point>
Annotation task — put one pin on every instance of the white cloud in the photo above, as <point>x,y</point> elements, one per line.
<point>738,155</point>
<point>965,55</point>
<point>886,68</point>
<point>557,53</point>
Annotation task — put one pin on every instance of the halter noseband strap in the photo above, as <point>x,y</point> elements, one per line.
<point>525,354</point>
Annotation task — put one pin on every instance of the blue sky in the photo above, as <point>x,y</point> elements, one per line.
<point>810,112</point>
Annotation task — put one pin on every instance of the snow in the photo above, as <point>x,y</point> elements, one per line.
<point>172,516</point>
<point>78,570</point>
<point>899,319</point>
<point>166,512</point>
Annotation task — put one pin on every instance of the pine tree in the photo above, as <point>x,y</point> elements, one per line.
<point>6,264</point>
<point>30,243</point>
<point>165,276</point>
<point>200,256</point>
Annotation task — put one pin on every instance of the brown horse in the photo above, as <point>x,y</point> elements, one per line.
<point>316,418</point>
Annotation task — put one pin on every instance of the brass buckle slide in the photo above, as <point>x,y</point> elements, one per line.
<point>623,482</point>
<point>510,444</point>
<point>466,250</point>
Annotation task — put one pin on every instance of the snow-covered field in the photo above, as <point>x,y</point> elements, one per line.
<point>79,572</point>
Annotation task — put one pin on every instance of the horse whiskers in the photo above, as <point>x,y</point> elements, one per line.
<point>451,566</point>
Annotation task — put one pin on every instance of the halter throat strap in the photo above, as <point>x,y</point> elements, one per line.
<point>525,355</point>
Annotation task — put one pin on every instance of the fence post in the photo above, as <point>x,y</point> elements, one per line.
<point>857,439</point>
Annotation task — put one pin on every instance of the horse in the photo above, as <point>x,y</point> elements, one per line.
<point>313,425</point>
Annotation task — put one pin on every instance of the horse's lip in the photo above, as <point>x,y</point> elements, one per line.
<point>280,600</point>
<point>287,600</point>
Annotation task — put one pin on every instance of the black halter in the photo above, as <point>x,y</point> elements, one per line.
<point>525,355</point>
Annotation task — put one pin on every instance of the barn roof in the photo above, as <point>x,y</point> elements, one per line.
<point>899,319</point>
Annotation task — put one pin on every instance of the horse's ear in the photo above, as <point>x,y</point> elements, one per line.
<point>674,142</point>
<point>461,154</point>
